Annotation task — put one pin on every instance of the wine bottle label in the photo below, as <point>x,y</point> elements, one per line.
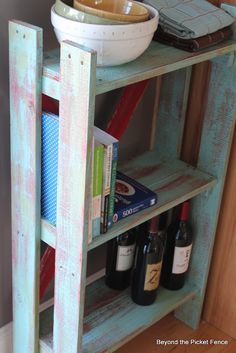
<point>181,259</point>
<point>125,256</point>
<point>152,277</point>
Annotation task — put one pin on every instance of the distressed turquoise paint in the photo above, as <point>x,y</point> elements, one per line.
<point>51,78</point>
<point>78,74</point>
<point>76,88</point>
<point>213,158</point>
<point>172,112</point>
<point>25,104</point>
<point>111,317</point>
<point>48,233</point>
<point>157,60</point>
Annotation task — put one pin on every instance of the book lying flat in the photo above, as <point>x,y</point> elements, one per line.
<point>131,197</point>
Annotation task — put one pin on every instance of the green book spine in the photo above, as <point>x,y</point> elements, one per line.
<point>97,187</point>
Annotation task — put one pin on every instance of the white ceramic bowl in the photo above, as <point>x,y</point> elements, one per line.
<point>114,44</point>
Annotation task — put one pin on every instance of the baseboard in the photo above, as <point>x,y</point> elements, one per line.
<point>6,331</point>
<point>6,338</point>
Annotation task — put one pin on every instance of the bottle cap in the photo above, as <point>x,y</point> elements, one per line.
<point>153,228</point>
<point>184,211</point>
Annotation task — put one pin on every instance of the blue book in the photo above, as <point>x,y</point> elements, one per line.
<point>49,160</point>
<point>131,197</point>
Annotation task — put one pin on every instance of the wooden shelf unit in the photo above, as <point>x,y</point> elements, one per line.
<point>107,319</point>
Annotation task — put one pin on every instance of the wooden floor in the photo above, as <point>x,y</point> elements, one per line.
<point>171,329</point>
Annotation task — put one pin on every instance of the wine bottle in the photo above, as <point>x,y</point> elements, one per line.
<point>177,251</point>
<point>119,263</point>
<point>147,268</point>
<point>163,220</point>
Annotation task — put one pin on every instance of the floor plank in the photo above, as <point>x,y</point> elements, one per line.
<point>171,331</point>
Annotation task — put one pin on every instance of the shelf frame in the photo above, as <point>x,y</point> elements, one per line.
<point>78,64</point>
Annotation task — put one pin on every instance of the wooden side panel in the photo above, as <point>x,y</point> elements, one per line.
<point>78,75</point>
<point>25,102</point>
<point>213,158</point>
<point>172,111</point>
<point>198,96</point>
<point>220,309</point>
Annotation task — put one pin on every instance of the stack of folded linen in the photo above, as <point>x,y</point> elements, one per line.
<point>191,24</point>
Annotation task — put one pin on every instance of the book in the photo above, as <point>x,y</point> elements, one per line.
<point>131,197</point>
<point>113,185</point>
<point>49,169</point>
<point>98,157</point>
<point>108,142</point>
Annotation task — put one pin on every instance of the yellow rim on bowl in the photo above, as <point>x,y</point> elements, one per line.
<point>63,8</point>
<point>142,13</point>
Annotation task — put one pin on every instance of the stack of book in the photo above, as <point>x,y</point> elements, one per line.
<point>105,156</point>
<point>114,195</point>
<point>104,179</point>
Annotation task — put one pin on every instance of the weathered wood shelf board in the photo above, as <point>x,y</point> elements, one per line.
<point>157,60</point>
<point>111,318</point>
<point>174,182</point>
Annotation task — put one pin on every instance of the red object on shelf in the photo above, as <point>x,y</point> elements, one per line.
<point>125,108</point>
<point>119,121</point>
<point>47,270</point>
<point>49,104</point>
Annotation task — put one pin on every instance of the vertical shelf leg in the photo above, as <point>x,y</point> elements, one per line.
<point>172,112</point>
<point>78,75</point>
<point>213,156</point>
<point>25,104</point>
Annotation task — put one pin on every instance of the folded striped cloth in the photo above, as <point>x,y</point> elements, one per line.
<point>190,18</point>
<point>193,44</point>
